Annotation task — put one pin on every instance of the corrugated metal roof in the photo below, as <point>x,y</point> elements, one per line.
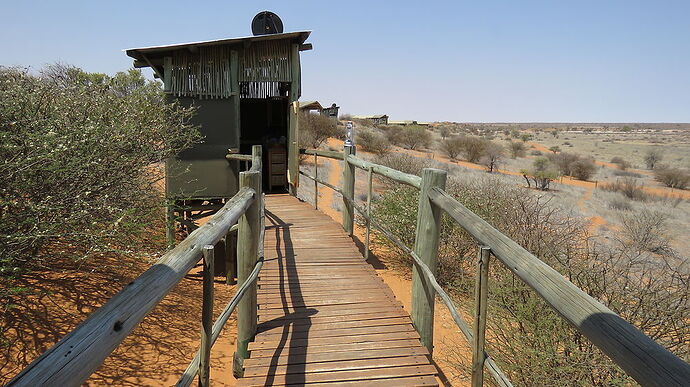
<point>136,53</point>
<point>370,117</point>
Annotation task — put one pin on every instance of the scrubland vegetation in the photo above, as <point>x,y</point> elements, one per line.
<point>79,170</point>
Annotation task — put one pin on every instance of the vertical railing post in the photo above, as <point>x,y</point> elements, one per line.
<point>248,237</point>
<point>481,290</point>
<point>206,316</point>
<point>257,157</point>
<point>348,189</point>
<point>170,224</point>
<point>231,257</point>
<point>293,149</point>
<point>369,194</point>
<point>316,183</point>
<point>426,247</point>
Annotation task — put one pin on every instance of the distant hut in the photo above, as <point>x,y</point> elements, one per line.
<point>312,107</point>
<point>331,111</point>
<point>377,119</point>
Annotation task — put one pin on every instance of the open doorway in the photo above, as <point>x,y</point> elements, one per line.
<point>264,121</point>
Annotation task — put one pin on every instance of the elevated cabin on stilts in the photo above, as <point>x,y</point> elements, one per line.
<point>245,91</point>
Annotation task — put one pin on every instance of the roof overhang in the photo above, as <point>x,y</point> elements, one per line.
<point>147,53</point>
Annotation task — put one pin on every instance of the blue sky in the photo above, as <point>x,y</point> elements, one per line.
<point>479,61</point>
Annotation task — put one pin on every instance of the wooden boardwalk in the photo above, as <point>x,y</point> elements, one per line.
<point>324,316</point>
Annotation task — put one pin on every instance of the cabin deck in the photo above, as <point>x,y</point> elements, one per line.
<point>324,315</point>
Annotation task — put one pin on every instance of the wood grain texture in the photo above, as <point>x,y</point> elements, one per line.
<point>645,360</point>
<point>324,314</point>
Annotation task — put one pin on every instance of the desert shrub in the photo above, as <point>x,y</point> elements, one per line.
<point>564,161</point>
<point>531,343</point>
<point>647,230</point>
<point>626,174</point>
<point>79,154</point>
<point>315,129</point>
<point>452,146</point>
<point>536,153</point>
<point>473,148</point>
<point>345,117</point>
<point>620,203</point>
<point>405,163</point>
<point>412,137</point>
<point>583,169</point>
<point>652,158</point>
<point>492,157</point>
<point>542,173</point>
<point>621,163</point>
<point>373,141</point>
<point>672,177</point>
<point>555,149</point>
<point>628,186</point>
<point>517,149</point>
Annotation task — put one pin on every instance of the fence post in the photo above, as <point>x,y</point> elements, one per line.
<point>293,149</point>
<point>248,237</point>
<point>481,290</point>
<point>348,189</point>
<point>369,194</point>
<point>206,316</point>
<point>170,224</point>
<point>231,257</point>
<point>426,247</point>
<point>316,183</point>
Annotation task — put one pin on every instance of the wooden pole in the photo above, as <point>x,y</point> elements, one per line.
<point>293,149</point>
<point>231,257</point>
<point>248,236</point>
<point>170,224</point>
<point>481,290</point>
<point>426,247</point>
<point>369,194</point>
<point>206,316</point>
<point>316,183</point>
<point>348,190</point>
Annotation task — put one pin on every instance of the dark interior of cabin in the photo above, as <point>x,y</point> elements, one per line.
<point>264,121</point>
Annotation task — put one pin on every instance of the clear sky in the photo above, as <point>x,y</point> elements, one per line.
<point>469,61</point>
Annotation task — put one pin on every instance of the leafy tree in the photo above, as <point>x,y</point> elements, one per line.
<point>79,156</point>
<point>493,156</point>
<point>452,146</point>
<point>315,129</point>
<point>517,149</point>
<point>555,149</point>
<point>542,173</point>
<point>413,137</point>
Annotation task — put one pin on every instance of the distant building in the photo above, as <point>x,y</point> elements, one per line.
<point>310,106</point>
<point>402,123</point>
<point>331,111</point>
<point>378,119</point>
<point>314,107</point>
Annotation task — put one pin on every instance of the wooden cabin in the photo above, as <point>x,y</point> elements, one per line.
<point>242,89</point>
<point>331,112</point>
<point>377,119</point>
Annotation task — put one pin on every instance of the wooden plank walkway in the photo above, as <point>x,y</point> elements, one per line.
<point>324,316</point>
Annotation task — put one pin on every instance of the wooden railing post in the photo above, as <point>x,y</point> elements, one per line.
<point>316,182</point>
<point>206,316</point>
<point>370,191</point>
<point>293,149</point>
<point>348,190</point>
<point>481,290</point>
<point>426,247</point>
<point>170,224</point>
<point>230,240</point>
<point>248,237</point>
<point>257,158</point>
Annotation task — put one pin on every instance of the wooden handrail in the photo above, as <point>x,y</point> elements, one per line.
<point>393,174</point>
<point>323,153</point>
<point>76,356</point>
<point>649,363</point>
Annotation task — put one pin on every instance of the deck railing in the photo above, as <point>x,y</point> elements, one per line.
<point>646,361</point>
<point>76,356</point>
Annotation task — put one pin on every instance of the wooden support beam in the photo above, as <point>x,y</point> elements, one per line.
<point>348,190</point>
<point>293,149</point>
<point>248,237</point>
<point>206,316</point>
<point>481,290</point>
<point>426,247</point>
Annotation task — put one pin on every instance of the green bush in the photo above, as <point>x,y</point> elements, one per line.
<point>315,129</point>
<point>80,160</point>
<point>531,342</point>
<point>372,141</point>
